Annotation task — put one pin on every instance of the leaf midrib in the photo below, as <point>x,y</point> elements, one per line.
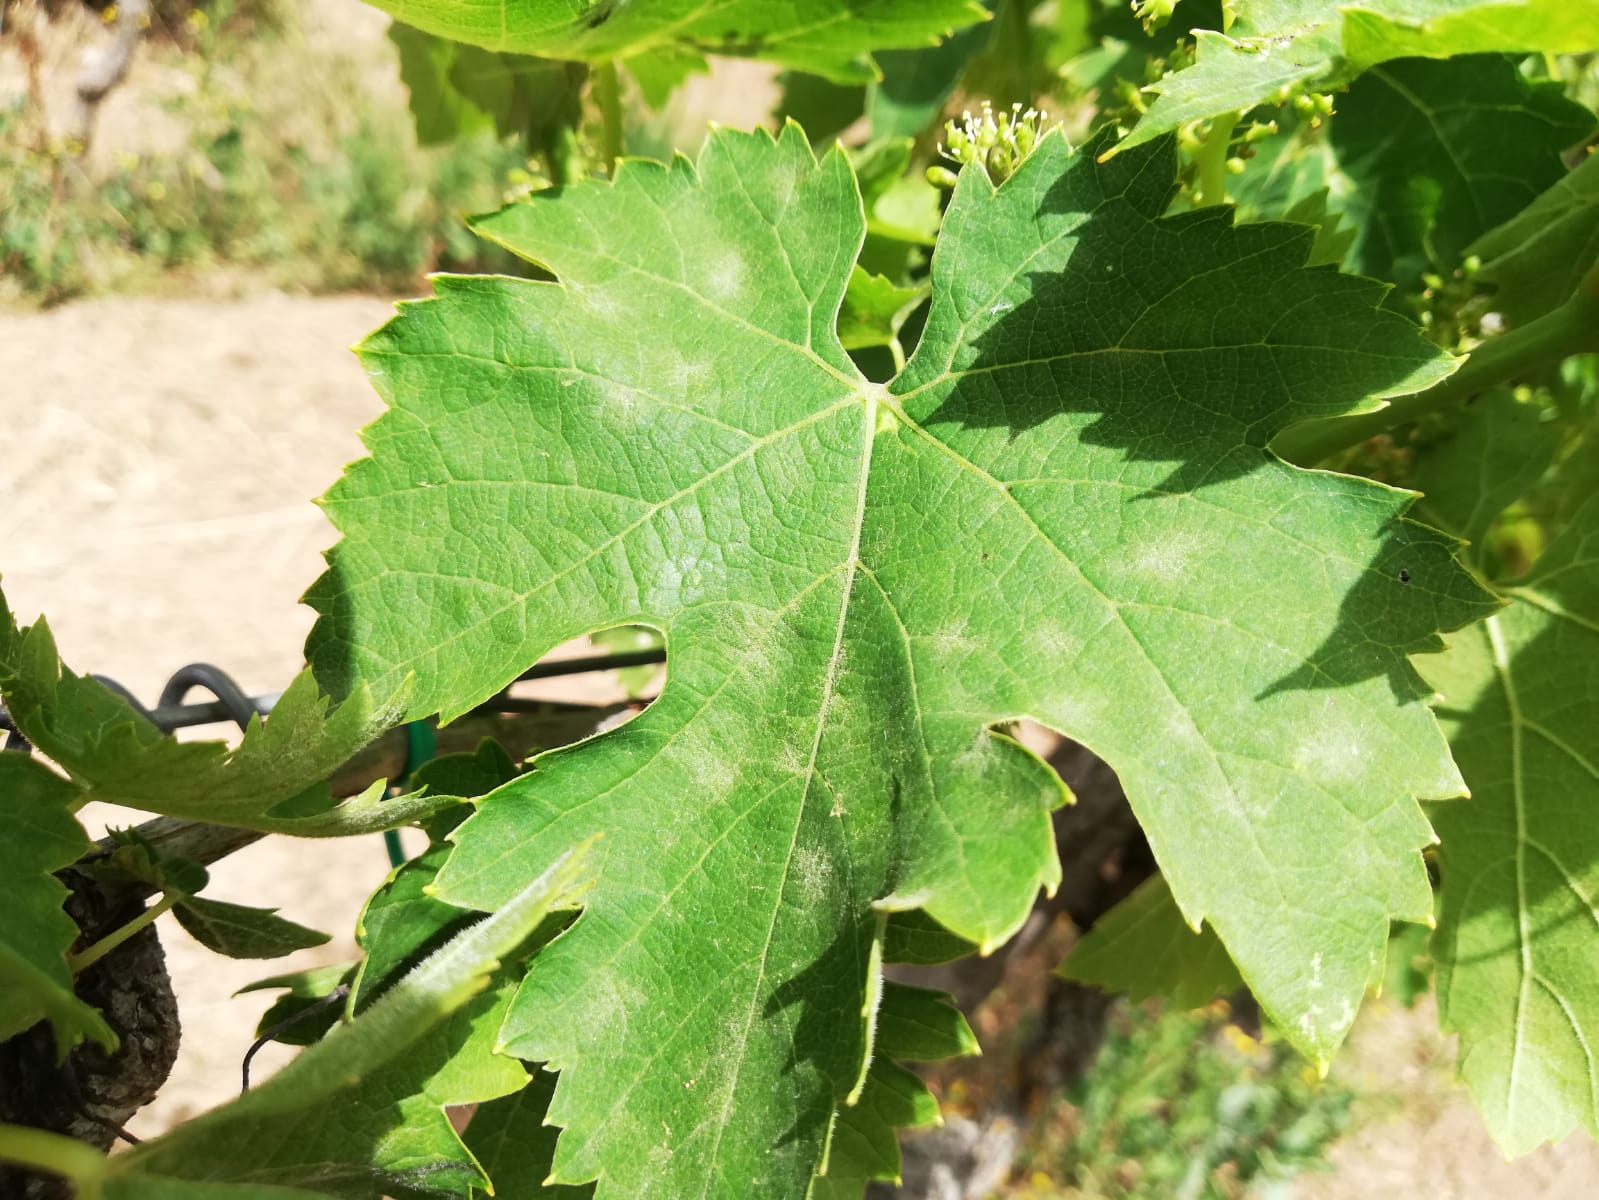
<point>829,683</point>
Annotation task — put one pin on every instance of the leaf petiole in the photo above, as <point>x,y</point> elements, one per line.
<point>1212,161</point>
<point>87,957</point>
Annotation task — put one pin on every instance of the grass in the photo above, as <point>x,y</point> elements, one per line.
<point>1185,1106</point>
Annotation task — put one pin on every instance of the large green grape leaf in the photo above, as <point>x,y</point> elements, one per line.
<point>1518,940</point>
<point>113,754</point>
<point>1144,948</point>
<point>1434,154</point>
<point>38,836</point>
<point>834,38</point>
<point>1324,44</point>
<point>361,1113</point>
<point>1063,509</point>
<point>1535,260</point>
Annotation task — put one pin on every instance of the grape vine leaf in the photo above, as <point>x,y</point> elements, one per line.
<point>1517,946</point>
<point>1535,260</point>
<point>1485,461</point>
<point>824,109</point>
<point>1319,45</point>
<point>1063,508</point>
<point>832,38</point>
<point>661,71</point>
<point>240,931</point>
<point>38,836</point>
<point>303,991</point>
<point>113,754</point>
<point>865,1145</point>
<point>913,1024</point>
<point>1434,154</point>
<point>1144,947</point>
<point>874,309</point>
<point>516,1148</point>
<point>361,1113</point>
<point>1292,179</point>
<point>915,84</point>
<point>459,90</point>
<point>148,1187</point>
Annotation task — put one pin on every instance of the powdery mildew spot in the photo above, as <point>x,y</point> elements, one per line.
<point>725,280</point>
<point>1166,560</point>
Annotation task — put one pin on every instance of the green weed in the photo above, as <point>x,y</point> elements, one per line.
<point>1186,1106</point>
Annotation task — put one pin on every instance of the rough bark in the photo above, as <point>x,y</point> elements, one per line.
<point>93,1094</point>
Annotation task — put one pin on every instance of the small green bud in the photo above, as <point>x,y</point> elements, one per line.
<point>1153,13</point>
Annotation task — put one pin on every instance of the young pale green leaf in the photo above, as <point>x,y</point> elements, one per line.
<point>874,309</point>
<point>38,836</point>
<point>360,1114</point>
<point>239,931</point>
<point>114,755</point>
<point>1278,47</point>
<point>1063,509</point>
<point>1434,154</point>
<point>834,38</point>
<point>1333,238</point>
<point>135,859</point>
<point>1518,941</point>
<point>1143,947</point>
<point>1535,260</point>
<point>384,1135</point>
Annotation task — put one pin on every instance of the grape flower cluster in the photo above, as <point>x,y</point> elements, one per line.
<point>999,142</point>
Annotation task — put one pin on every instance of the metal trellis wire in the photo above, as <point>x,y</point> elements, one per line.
<point>171,713</point>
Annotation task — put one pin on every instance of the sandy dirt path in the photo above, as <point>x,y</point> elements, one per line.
<point>154,501</point>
